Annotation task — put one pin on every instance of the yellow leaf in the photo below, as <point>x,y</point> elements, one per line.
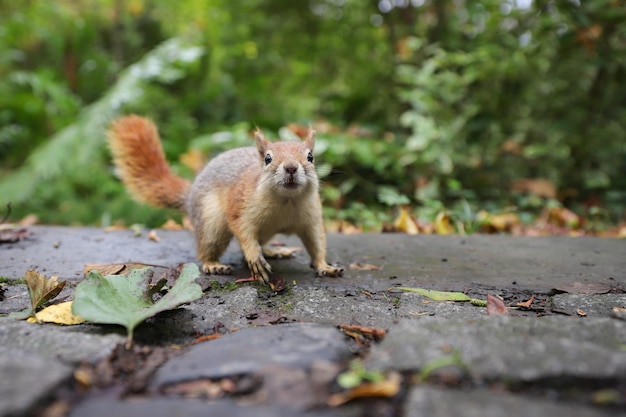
<point>153,236</point>
<point>502,222</point>
<point>58,313</point>
<point>405,224</point>
<point>563,217</point>
<point>193,159</point>
<point>382,389</point>
<point>442,224</point>
<point>364,267</point>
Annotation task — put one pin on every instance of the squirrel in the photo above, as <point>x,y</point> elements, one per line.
<point>249,193</point>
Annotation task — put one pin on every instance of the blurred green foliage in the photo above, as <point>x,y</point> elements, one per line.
<point>432,104</point>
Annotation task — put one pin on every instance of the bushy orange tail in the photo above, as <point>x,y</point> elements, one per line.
<point>137,151</point>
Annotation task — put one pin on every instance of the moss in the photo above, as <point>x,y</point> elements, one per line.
<point>225,286</point>
<point>9,281</point>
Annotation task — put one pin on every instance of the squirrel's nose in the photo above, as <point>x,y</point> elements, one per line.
<point>291,168</point>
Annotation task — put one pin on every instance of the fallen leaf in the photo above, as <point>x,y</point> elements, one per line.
<point>114,269</point>
<point>153,236</point>
<point>172,225</point>
<point>563,217</point>
<point>386,388</point>
<point>437,295</point>
<point>375,333</point>
<point>277,284</point>
<point>115,228</point>
<point>193,159</point>
<point>607,397</point>
<point>537,186</point>
<point>442,224</point>
<point>57,313</point>
<point>404,223</point>
<point>199,388</point>
<point>495,306</point>
<point>280,252</point>
<point>584,288</point>
<point>206,337</point>
<point>40,290</point>
<point>12,235</point>
<point>127,301</point>
<point>581,312</point>
<point>502,222</point>
<point>619,310</point>
<point>364,267</point>
<point>527,303</point>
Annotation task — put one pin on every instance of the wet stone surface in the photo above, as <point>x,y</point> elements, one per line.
<point>295,345</point>
<point>509,348</point>
<point>243,350</point>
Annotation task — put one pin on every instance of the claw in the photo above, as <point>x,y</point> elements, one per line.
<point>260,269</point>
<point>329,271</point>
<point>216,268</point>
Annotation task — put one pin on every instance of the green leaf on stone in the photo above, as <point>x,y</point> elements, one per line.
<point>437,295</point>
<point>128,300</point>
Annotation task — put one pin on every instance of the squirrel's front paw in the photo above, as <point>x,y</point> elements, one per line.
<point>260,269</point>
<point>216,268</point>
<point>329,271</point>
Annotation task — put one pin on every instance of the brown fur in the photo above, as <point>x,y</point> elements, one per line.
<point>136,149</point>
<point>237,194</point>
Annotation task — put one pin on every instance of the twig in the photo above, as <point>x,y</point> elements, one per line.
<point>6,216</point>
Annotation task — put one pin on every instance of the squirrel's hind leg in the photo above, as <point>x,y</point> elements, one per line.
<point>212,238</point>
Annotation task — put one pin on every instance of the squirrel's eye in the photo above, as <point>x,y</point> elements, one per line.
<point>268,159</point>
<point>309,157</point>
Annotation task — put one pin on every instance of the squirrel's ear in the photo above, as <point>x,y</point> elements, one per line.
<point>262,144</point>
<point>310,139</point>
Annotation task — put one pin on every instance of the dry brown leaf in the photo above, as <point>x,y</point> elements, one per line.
<point>537,186</point>
<point>41,289</point>
<point>340,226</point>
<point>172,225</point>
<point>364,267</point>
<point>386,389</point>
<point>12,235</point>
<point>277,284</point>
<point>511,147</point>
<point>495,306</point>
<point>206,337</point>
<point>502,222</point>
<point>563,217</point>
<point>589,288</point>
<point>29,220</point>
<point>581,312</point>
<point>193,159</point>
<point>376,333</point>
<point>527,303</point>
<point>153,236</point>
<point>114,269</point>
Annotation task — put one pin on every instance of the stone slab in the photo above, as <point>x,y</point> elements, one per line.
<point>504,348</point>
<point>433,402</point>
<point>539,263</point>
<point>248,351</point>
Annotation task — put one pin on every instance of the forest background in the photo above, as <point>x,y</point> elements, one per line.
<point>432,116</point>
